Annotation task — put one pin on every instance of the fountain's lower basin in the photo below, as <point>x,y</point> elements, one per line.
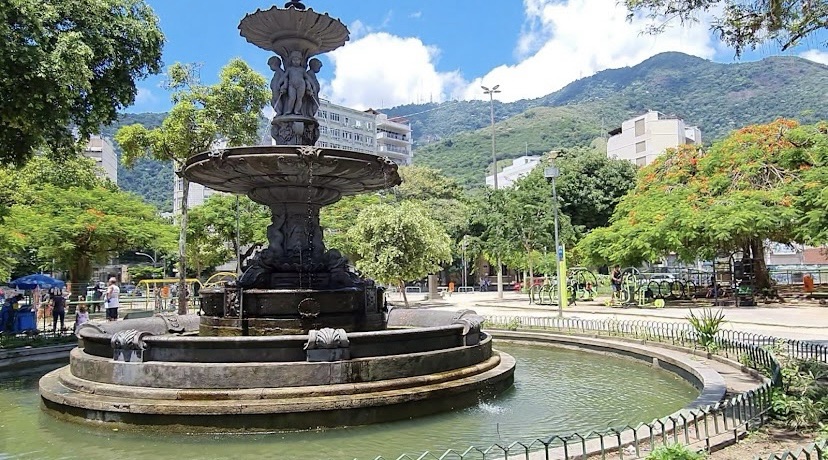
<point>119,375</point>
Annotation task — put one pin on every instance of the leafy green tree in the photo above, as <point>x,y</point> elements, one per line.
<point>591,185</point>
<point>442,196</point>
<point>742,24</point>
<point>202,117</point>
<point>139,273</point>
<point>22,185</point>
<point>398,243</point>
<point>214,223</point>
<point>336,219</point>
<point>69,64</point>
<point>761,183</point>
<point>77,227</point>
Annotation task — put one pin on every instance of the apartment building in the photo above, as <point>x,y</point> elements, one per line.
<point>346,128</point>
<point>520,167</point>
<point>641,139</point>
<point>393,138</point>
<point>100,150</point>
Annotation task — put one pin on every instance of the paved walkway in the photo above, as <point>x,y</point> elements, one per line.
<point>800,320</point>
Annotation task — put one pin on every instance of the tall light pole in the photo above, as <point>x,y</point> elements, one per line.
<point>551,173</point>
<point>465,263</point>
<point>491,93</point>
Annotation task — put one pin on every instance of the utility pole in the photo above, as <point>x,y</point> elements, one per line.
<point>491,93</point>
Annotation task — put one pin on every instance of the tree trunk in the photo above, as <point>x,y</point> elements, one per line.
<point>182,248</point>
<point>760,269</point>
<point>80,271</point>
<point>402,289</point>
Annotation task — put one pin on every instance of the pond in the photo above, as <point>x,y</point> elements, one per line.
<point>556,391</point>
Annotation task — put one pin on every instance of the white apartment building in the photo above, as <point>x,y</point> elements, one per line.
<point>345,128</point>
<point>641,139</point>
<point>393,138</point>
<point>520,167</point>
<point>195,195</point>
<point>100,150</point>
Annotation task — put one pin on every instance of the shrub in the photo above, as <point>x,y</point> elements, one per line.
<point>675,452</point>
<point>707,325</point>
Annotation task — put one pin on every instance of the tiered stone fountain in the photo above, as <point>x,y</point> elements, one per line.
<point>301,341</point>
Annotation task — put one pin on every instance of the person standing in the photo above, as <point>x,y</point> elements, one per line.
<point>113,292</point>
<point>615,281</point>
<point>81,317</point>
<point>58,309</point>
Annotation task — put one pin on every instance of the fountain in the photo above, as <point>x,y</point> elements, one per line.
<point>301,341</point>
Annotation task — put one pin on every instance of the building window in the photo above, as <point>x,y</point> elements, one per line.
<point>641,161</point>
<point>357,124</point>
<point>640,146</point>
<point>346,120</point>
<point>334,116</point>
<point>639,127</point>
<point>324,114</point>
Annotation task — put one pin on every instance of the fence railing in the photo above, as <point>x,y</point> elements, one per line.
<point>813,451</point>
<point>696,428</point>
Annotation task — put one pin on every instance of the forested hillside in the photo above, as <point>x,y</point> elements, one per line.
<point>150,179</point>
<point>715,97</point>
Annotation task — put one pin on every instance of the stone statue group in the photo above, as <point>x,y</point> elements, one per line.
<point>296,88</point>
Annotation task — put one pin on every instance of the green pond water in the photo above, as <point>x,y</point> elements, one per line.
<point>556,391</point>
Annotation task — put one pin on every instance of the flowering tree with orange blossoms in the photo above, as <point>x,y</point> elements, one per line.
<point>762,183</point>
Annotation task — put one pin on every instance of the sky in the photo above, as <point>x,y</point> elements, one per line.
<point>406,51</point>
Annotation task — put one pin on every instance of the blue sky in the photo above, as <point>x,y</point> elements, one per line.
<point>409,51</point>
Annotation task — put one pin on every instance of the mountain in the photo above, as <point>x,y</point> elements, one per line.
<point>455,136</point>
<point>716,97</point>
<point>150,179</point>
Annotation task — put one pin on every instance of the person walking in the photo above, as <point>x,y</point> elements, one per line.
<point>111,297</point>
<point>615,281</point>
<point>58,303</point>
<point>81,317</point>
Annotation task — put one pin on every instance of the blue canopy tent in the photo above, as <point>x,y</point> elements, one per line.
<point>34,282</point>
<point>37,280</point>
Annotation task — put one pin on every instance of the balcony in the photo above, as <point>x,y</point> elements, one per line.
<point>393,137</point>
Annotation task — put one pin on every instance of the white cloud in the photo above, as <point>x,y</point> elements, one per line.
<point>816,56</point>
<point>561,42</point>
<point>384,70</point>
<point>145,97</point>
<point>416,15</point>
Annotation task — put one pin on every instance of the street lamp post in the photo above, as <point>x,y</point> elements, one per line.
<point>491,92</point>
<point>551,173</point>
<point>465,263</point>
<point>147,255</point>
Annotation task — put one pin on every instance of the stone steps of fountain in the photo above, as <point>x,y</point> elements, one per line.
<point>272,408</point>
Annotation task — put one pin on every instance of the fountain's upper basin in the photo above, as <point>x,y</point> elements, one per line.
<point>273,173</point>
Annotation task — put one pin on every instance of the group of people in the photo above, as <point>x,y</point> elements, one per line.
<point>55,302</point>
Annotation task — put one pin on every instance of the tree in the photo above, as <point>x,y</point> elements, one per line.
<point>214,223</point>
<point>591,185</point>
<point>202,117</point>
<point>442,196</point>
<point>398,244</point>
<point>742,24</point>
<point>22,185</point>
<point>336,219</point>
<point>763,182</point>
<point>77,227</point>
<point>69,65</point>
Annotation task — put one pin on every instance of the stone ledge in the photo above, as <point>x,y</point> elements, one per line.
<point>429,395</point>
<point>19,358</point>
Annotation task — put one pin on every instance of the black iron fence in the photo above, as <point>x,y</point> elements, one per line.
<point>698,428</point>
